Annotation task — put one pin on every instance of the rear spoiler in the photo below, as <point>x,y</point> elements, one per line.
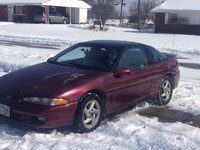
<point>170,55</point>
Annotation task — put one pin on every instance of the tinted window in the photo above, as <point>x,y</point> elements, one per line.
<point>58,14</point>
<point>52,13</point>
<point>155,56</point>
<point>134,58</point>
<point>88,57</point>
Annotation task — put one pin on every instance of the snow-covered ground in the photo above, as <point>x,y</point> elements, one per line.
<point>26,44</point>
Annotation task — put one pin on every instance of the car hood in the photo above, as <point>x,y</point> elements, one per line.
<point>44,80</point>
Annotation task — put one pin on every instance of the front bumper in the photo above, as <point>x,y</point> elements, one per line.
<point>41,116</point>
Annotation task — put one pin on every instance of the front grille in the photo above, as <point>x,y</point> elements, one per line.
<point>25,119</point>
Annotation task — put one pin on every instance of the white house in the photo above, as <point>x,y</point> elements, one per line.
<point>178,16</point>
<point>76,9</point>
<point>23,10</point>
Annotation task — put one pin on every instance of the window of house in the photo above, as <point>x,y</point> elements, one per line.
<point>53,9</point>
<point>175,19</point>
<point>172,18</point>
<point>19,10</point>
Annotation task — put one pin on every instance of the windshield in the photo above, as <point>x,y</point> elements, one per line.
<point>90,57</point>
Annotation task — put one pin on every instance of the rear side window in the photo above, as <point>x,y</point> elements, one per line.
<point>133,58</point>
<point>58,14</point>
<point>154,56</point>
<point>53,13</point>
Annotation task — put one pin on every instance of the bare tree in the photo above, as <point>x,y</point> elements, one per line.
<point>103,10</point>
<point>145,8</point>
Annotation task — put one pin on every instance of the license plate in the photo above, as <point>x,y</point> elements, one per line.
<point>4,110</point>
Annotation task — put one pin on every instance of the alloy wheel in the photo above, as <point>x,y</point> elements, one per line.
<point>91,114</point>
<point>166,90</point>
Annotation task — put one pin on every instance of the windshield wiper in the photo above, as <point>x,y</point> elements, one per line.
<point>52,62</point>
<point>71,64</point>
<point>80,65</point>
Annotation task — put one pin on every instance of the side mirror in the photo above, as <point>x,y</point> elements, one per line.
<point>49,59</point>
<point>122,71</point>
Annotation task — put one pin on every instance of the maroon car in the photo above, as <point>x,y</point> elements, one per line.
<point>86,82</point>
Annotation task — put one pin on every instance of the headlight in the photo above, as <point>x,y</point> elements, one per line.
<point>46,101</point>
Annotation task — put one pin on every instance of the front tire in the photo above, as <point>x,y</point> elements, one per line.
<point>65,21</point>
<point>165,91</point>
<point>89,114</point>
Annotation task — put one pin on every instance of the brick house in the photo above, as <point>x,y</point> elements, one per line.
<point>3,13</point>
<point>178,16</point>
<point>23,10</point>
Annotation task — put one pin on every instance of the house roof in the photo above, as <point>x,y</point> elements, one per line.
<point>67,3</point>
<point>22,2</point>
<point>177,5</point>
<point>61,3</point>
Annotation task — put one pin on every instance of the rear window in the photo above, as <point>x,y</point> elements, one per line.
<point>155,56</point>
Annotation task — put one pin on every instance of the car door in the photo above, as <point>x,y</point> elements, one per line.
<point>135,86</point>
<point>159,68</point>
<point>57,17</point>
<point>53,17</point>
<point>60,17</point>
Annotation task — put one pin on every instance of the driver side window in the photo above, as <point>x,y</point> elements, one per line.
<point>133,58</point>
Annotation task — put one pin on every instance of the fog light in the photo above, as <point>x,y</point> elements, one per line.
<point>41,119</point>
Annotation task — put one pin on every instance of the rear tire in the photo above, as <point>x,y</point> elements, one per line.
<point>89,114</point>
<point>65,21</point>
<point>165,91</point>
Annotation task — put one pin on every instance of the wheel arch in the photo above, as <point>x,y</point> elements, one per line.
<point>101,94</point>
<point>78,124</point>
<point>170,75</point>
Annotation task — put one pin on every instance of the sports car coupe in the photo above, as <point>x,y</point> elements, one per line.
<point>87,81</point>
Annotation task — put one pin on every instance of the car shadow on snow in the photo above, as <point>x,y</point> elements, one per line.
<point>165,114</point>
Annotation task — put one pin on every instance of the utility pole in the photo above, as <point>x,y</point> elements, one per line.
<point>139,15</point>
<point>121,11</point>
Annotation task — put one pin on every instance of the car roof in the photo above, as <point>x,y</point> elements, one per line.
<point>111,43</point>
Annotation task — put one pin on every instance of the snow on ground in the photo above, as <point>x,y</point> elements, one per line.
<point>187,97</point>
<point>2,73</point>
<point>17,57</point>
<point>25,44</point>
<point>131,131</point>
<point>58,34</point>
